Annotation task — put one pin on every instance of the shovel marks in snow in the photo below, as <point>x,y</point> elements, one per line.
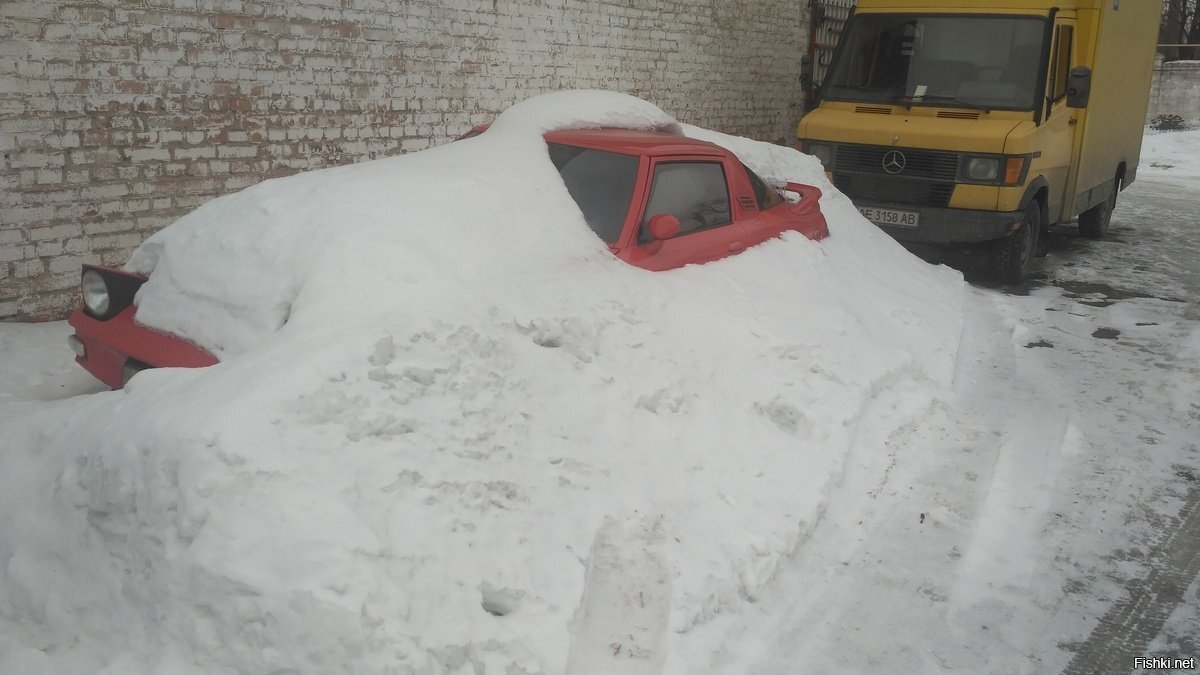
<point>622,622</point>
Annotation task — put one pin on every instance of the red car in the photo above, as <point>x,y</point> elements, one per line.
<point>659,201</point>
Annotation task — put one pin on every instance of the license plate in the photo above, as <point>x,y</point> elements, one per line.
<point>890,217</point>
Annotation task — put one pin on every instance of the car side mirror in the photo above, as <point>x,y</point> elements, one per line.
<point>663,226</point>
<point>1079,87</point>
<point>799,188</point>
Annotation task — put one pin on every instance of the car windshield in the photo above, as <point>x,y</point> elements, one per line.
<point>600,182</point>
<point>985,62</point>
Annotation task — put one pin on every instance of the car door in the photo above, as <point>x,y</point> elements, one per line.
<point>696,191</point>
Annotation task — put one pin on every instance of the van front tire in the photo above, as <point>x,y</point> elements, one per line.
<point>1093,223</point>
<point>1012,256</point>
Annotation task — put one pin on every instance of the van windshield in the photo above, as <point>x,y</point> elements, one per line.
<point>986,62</point>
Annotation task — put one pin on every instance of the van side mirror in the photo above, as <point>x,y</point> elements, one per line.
<point>806,71</point>
<point>807,85</point>
<point>1079,87</point>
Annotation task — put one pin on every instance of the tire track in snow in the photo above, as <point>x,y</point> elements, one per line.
<point>1126,630</point>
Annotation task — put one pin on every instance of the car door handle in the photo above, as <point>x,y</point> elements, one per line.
<point>737,247</point>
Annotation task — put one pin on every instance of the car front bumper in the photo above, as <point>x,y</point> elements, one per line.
<point>116,349</point>
<point>951,226</point>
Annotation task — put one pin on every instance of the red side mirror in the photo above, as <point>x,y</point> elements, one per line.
<point>663,226</point>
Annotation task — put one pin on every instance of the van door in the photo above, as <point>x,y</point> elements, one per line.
<point>1061,122</point>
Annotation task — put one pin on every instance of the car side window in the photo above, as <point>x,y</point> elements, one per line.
<point>694,192</point>
<point>763,193</point>
<point>601,183</point>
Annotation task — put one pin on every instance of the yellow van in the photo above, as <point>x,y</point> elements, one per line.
<point>972,121</point>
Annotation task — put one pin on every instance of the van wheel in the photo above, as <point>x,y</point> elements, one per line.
<point>1093,223</point>
<point>1012,256</point>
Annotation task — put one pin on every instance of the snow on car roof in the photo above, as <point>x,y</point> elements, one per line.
<point>233,272</point>
<point>631,141</point>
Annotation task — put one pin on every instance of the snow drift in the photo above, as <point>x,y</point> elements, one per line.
<point>450,432</point>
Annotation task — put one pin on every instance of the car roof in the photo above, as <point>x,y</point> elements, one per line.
<point>636,142</point>
<point>630,141</point>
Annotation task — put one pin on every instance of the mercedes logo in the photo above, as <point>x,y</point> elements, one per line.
<point>894,161</point>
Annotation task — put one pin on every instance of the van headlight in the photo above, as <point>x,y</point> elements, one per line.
<point>95,293</point>
<point>822,151</point>
<point>1004,170</point>
<point>983,169</point>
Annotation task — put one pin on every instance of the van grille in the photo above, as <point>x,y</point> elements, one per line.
<point>874,110</point>
<point>917,163</point>
<point>894,189</point>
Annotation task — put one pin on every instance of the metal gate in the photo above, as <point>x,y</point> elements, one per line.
<point>827,18</point>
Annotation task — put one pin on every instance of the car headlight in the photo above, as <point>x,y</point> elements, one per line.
<point>95,292</point>
<point>823,152</point>
<point>983,169</point>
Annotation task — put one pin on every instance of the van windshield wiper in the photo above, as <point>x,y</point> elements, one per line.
<point>942,99</point>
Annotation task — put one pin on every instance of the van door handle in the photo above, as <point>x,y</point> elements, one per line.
<point>737,247</point>
<point>1073,121</point>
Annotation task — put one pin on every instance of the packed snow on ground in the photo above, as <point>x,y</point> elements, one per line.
<point>1171,154</point>
<point>450,433</point>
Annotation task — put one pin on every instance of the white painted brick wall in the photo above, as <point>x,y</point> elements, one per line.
<point>117,118</point>
<point>1175,90</point>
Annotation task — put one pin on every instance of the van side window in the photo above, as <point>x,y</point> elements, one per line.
<point>1060,65</point>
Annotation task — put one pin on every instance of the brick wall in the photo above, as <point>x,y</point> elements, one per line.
<point>117,116</point>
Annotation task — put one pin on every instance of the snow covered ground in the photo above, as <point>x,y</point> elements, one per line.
<point>1043,516</point>
<point>493,448</point>
<point>1171,154</point>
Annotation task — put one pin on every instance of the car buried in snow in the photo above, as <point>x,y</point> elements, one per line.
<point>658,200</point>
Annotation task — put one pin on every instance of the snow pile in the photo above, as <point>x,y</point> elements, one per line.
<point>37,365</point>
<point>450,432</point>
<point>238,268</point>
